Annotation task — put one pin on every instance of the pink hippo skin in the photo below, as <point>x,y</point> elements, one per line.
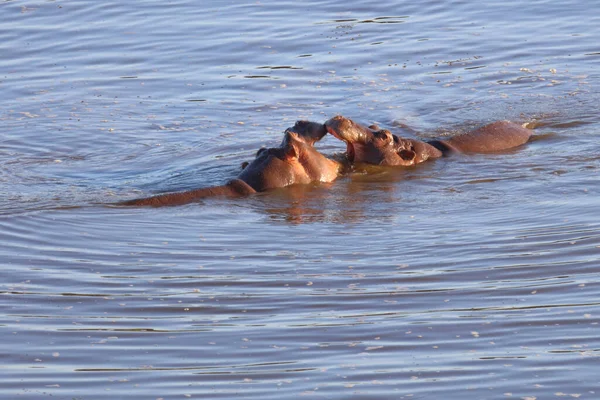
<point>378,146</point>
<point>295,161</point>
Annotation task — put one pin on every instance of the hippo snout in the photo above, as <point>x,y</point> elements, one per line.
<point>338,123</point>
<point>347,130</point>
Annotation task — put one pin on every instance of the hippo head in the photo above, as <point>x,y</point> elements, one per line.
<point>311,132</point>
<point>372,146</point>
<point>294,161</point>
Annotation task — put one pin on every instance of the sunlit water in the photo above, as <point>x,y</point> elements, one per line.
<point>471,277</point>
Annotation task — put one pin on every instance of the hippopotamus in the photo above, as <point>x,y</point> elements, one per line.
<point>295,161</point>
<point>379,146</point>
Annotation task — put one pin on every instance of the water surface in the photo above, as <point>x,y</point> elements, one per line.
<point>471,277</point>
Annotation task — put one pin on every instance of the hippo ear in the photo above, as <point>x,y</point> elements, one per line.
<point>407,155</point>
<point>291,151</point>
<point>290,146</point>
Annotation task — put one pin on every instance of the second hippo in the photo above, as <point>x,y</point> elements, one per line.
<point>295,161</point>
<point>379,146</point>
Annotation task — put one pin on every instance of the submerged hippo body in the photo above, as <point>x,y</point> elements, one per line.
<point>378,146</point>
<point>295,161</point>
<point>490,138</point>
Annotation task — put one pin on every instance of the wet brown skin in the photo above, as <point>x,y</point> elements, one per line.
<point>295,161</point>
<point>378,146</point>
<point>311,132</point>
<point>490,138</point>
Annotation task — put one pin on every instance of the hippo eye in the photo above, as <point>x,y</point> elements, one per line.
<point>261,151</point>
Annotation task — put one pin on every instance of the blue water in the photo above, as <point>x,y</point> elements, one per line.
<point>470,277</point>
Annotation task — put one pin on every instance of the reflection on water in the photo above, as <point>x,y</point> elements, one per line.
<point>347,204</point>
<point>470,277</point>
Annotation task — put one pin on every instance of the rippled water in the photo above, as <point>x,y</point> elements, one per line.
<point>471,277</point>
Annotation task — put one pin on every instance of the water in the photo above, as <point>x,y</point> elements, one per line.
<point>471,277</point>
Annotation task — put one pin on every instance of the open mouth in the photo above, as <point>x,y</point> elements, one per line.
<point>350,152</point>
